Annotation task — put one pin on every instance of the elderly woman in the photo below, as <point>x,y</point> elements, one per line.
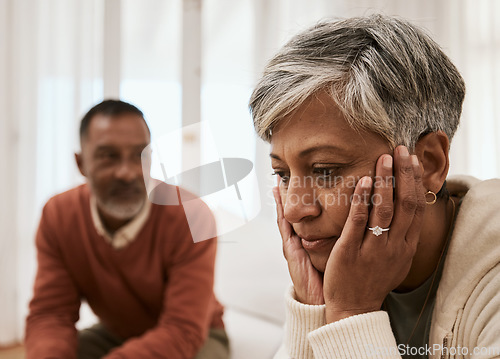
<point>387,259</point>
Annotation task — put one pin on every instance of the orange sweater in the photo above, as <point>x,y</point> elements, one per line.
<point>158,290</point>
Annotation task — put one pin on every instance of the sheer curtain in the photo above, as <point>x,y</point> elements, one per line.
<point>59,57</point>
<point>51,70</point>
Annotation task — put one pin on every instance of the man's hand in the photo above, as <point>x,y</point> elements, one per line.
<point>363,268</point>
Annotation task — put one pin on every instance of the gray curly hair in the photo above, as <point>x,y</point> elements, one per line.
<point>384,74</point>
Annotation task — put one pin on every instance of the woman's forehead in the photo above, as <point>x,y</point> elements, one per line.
<point>318,125</point>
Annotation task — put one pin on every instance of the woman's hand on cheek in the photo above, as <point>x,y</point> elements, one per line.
<point>307,281</point>
<point>363,267</point>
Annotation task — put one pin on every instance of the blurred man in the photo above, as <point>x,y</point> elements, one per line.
<point>134,262</point>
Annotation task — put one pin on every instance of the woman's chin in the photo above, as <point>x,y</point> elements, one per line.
<point>319,251</point>
<point>319,261</point>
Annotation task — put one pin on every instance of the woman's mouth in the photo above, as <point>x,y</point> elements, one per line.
<point>318,244</point>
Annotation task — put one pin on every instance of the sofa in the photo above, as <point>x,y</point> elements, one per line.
<point>251,279</point>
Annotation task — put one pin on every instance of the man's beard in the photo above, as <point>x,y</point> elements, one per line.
<point>119,210</point>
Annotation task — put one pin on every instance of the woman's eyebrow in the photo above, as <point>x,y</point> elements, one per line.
<point>330,148</point>
<point>308,151</point>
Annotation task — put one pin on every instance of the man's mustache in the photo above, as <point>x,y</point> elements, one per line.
<point>119,187</point>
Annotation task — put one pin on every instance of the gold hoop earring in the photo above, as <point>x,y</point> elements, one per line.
<point>433,200</point>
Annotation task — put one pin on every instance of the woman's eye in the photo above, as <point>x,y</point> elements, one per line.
<point>282,175</point>
<point>327,176</point>
<point>325,172</point>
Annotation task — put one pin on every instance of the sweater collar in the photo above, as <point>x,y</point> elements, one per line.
<point>124,235</point>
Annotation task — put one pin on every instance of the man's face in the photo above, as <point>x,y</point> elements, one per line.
<point>111,162</point>
<point>319,159</point>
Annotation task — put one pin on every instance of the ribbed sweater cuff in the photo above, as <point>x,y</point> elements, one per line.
<point>301,320</point>
<point>366,335</point>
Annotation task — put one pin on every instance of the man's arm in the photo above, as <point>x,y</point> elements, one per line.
<point>50,325</point>
<point>188,302</point>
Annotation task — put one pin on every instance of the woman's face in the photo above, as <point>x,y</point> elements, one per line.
<point>319,159</point>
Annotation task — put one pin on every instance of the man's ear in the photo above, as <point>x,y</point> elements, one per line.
<point>432,152</point>
<point>79,163</point>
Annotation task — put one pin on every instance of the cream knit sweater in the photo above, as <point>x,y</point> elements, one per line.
<point>466,317</point>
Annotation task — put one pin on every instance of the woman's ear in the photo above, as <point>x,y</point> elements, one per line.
<point>432,152</point>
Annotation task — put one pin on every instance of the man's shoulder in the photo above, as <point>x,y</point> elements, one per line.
<point>65,213</point>
<point>72,200</point>
<point>172,199</point>
<point>185,209</point>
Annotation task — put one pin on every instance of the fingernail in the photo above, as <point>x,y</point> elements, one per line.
<point>366,182</point>
<point>403,151</point>
<point>414,160</point>
<point>387,162</point>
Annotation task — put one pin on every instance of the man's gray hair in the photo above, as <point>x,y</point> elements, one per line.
<point>385,75</point>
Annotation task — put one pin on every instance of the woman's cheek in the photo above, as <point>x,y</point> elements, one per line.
<point>335,202</point>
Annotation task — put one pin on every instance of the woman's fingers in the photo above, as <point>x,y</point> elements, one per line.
<point>405,193</point>
<point>382,198</point>
<point>279,206</point>
<point>413,233</point>
<point>290,240</point>
<point>283,225</point>
<point>355,226</point>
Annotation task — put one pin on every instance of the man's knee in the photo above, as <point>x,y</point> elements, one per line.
<point>216,346</point>
<point>95,342</point>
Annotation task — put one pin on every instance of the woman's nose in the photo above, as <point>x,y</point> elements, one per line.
<point>300,202</point>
